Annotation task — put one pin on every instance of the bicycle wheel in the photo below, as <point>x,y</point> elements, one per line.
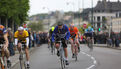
<point>90,45</point>
<point>21,62</point>
<point>75,53</point>
<point>62,63</point>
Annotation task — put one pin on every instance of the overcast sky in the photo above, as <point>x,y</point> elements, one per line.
<point>36,6</point>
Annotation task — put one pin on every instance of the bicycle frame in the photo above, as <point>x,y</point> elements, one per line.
<point>62,55</point>
<point>75,49</point>
<point>21,57</point>
<point>89,43</point>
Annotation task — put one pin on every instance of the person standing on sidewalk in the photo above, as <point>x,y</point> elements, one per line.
<point>10,39</point>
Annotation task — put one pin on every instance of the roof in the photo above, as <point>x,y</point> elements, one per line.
<point>108,6</point>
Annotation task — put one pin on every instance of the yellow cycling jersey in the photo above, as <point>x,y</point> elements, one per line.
<point>21,37</point>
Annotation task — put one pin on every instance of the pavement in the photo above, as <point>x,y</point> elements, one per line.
<point>105,45</point>
<point>99,58</point>
<point>15,58</point>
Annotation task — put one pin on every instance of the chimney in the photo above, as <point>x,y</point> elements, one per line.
<point>118,0</point>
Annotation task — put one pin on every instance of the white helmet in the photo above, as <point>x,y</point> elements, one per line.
<point>20,28</point>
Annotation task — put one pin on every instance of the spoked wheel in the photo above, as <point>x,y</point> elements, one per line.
<point>75,55</point>
<point>90,45</point>
<point>53,50</point>
<point>62,64</point>
<point>22,65</point>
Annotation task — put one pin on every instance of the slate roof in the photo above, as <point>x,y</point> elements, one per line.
<point>108,6</point>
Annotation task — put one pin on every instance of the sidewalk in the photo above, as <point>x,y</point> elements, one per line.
<point>105,45</point>
<point>15,58</point>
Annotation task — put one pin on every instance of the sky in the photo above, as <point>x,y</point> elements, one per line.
<point>45,6</point>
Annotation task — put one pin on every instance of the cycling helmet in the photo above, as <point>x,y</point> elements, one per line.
<point>60,23</point>
<point>20,28</point>
<point>72,25</point>
<point>89,27</point>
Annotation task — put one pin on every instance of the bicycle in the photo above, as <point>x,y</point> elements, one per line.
<point>21,57</point>
<point>62,57</point>
<point>90,43</point>
<point>61,50</point>
<point>75,49</point>
<point>52,48</point>
<point>3,62</point>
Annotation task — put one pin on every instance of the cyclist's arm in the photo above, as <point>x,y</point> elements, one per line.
<point>27,38</point>
<point>54,33</point>
<point>68,33</point>
<point>27,41</point>
<point>6,39</point>
<point>16,41</point>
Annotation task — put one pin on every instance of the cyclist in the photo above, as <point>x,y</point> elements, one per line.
<point>74,34</point>
<point>22,36</point>
<point>50,35</point>
<point>61,29</point>
<point>89,33</point>
<point>4,40</point>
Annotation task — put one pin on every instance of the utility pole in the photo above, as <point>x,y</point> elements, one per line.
<point>92,15</point>
<point>79,11</point>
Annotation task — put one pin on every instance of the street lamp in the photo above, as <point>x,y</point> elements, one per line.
<point>48,17</point>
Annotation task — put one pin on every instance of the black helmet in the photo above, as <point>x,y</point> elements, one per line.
<point>60,23</point>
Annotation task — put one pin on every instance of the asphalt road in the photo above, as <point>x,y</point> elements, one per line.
<point>100,58</point>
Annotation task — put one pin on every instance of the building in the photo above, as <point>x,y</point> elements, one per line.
<point>104,11</point>
<point>116,25</point>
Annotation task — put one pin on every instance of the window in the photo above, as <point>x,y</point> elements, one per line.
<point>98,19</point>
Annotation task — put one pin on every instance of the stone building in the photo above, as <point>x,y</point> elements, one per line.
<point>104,11</point>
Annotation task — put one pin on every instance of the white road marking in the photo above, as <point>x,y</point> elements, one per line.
<point>90,67</point>
<point>94,60</point>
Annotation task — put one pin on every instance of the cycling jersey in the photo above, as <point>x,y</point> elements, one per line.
<point>64,30</point>
<point>74,31</point>
<point>21,37</point>
<point>2,32</point>
<point>89,32</point>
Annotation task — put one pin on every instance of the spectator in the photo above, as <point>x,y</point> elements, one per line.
<point>10,38</point>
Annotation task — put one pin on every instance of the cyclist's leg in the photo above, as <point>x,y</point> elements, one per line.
<point>27,55</point>
<point>78,45</point>
<point>57,45</point>
<point>19,47</point>
<point>7,53</point>
<point>72,45</point>
<point>66,52</point>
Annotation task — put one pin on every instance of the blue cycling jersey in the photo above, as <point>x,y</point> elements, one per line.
<point>89,30</point>
<point>61,31</point>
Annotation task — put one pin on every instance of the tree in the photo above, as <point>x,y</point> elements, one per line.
<point>16,10</point>
<point>36,26</point>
